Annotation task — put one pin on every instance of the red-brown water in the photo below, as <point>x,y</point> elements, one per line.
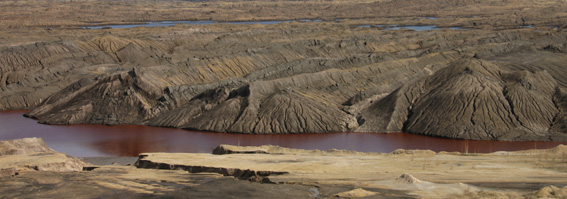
<point>126,140</point>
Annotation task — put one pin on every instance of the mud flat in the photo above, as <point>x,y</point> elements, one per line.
<point>276,172</point>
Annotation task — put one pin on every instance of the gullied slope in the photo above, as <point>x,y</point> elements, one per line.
<point>106,96</point>
<point>296,85</point>
<point>32,72</point>
<point>471,99</point>
<point>297,78</point>
<point>279,112</point>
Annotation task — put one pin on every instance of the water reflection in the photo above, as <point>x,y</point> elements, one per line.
<point>126,140</point>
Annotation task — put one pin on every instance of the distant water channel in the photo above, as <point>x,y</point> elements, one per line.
<point>415,28</point>
<point>126,140</point>
<point>172,23</point>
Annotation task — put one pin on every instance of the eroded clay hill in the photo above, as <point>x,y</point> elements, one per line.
<point>486,82</point>
<point>472,99</point>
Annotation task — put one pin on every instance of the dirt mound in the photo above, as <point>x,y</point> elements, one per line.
<point>407,179</point>
<point>112,93</point>
<point>559,149</point>
<point>33,154</point>
<point>355,193</point>
<point>24,146</point>
<point>280,112</point>
<point>108,43</point>
<point>550,192</point>
<point>131,54</point>
<point>471,99</point>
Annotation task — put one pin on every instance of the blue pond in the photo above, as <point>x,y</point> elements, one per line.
<point>415,28</point>
<point>422,28</point>
<point>172,23</point>
<point>430,18</point>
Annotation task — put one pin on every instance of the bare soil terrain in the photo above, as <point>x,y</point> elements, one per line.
<point>75,13</point>
<point>486,70</point>
<point>499,75</point>
<point>276,172</point>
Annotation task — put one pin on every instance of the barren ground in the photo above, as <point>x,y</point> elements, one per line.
<point>499,76</point>
<point>272,171</point>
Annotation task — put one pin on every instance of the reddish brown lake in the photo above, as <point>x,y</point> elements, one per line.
<point>100,140</point>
